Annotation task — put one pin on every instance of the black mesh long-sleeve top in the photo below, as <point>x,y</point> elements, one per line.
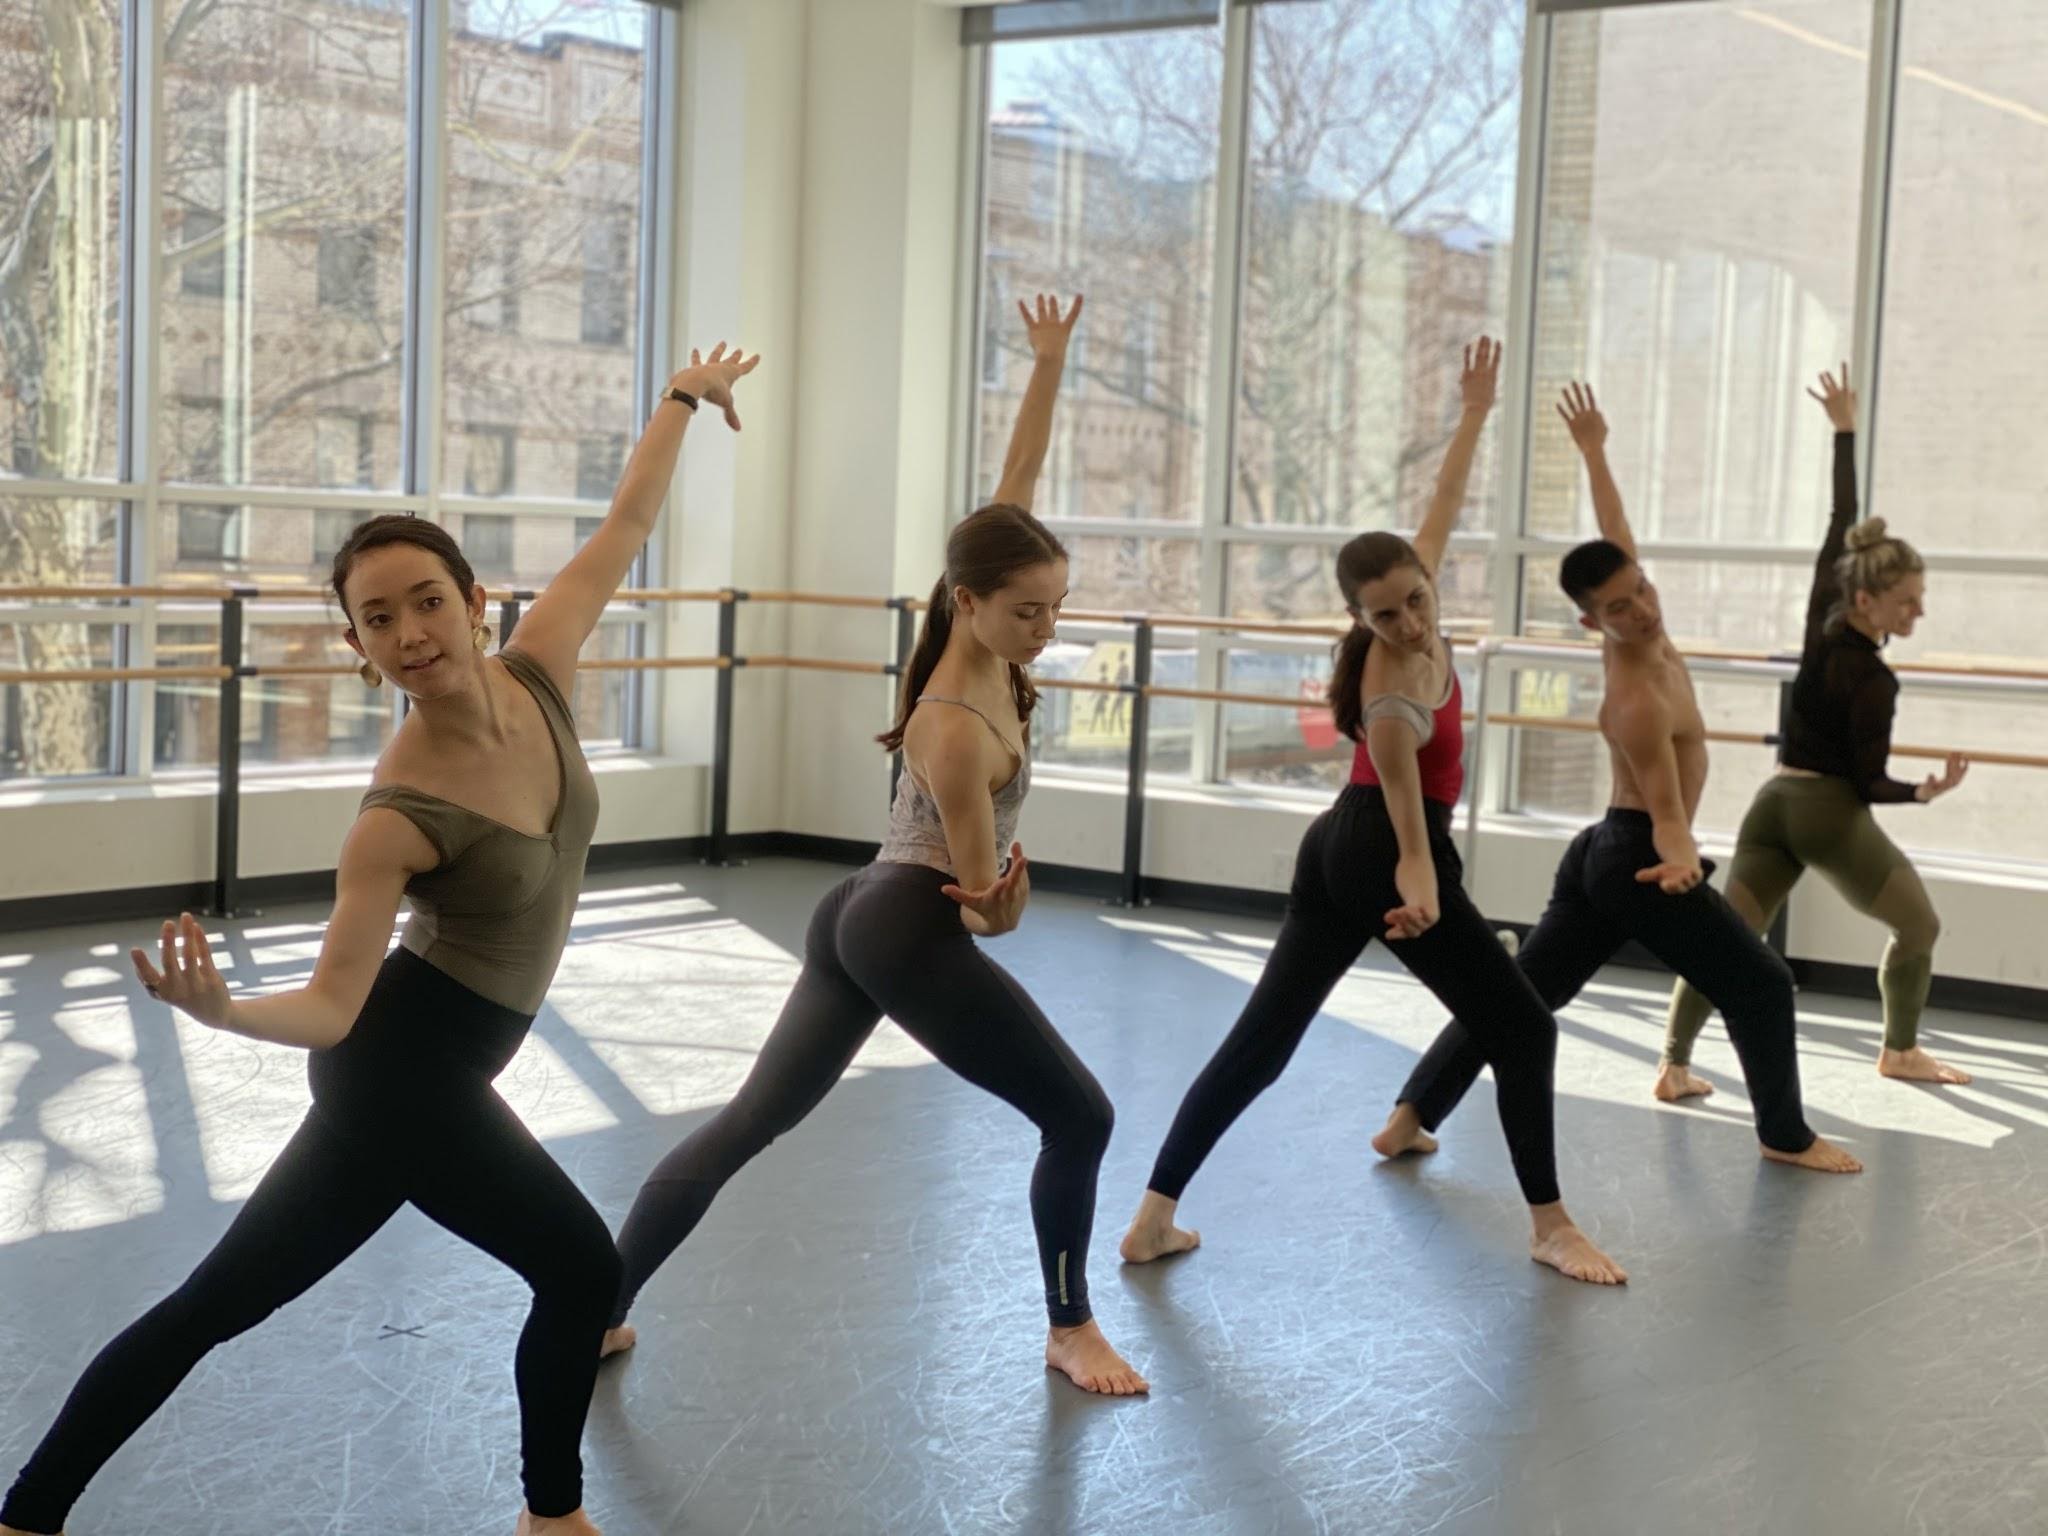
<point>1839,721</point>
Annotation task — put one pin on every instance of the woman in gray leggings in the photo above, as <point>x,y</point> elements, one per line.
<point>898,938</point>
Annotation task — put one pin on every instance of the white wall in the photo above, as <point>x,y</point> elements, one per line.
<point>1244,839</point>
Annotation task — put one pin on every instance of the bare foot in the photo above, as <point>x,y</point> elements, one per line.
<point>8,1530</point>
<point>1571,1253</point>
<point>617,1341</point>
<point>1823,1157</point>
<point>1675,1081</point>
<point>1153,1234</point>
<point>1916,1066</point>
<point>1084,1357</point>
<point>1403,1133</point>
<point>575,1523</point>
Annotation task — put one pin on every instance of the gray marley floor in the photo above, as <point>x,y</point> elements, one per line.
<point>851,1341</point>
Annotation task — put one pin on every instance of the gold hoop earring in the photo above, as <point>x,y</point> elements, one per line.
<point>481,638</point>
<point>370,675</point>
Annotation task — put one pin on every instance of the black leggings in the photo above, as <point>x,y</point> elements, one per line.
<point>887,940</point>
<point>403,1110</point>
<point>1597,905</point>
<point>1343,889</point>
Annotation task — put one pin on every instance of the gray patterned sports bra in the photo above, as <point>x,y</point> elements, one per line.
<point>916,834</point>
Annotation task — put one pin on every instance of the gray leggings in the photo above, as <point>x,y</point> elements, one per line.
<point>887,940</point>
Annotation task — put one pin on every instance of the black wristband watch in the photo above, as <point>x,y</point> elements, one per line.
<point>682,396</point>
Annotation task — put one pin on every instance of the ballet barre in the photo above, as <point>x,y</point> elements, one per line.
<point>230,672</point>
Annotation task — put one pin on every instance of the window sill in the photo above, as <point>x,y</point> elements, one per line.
<point>2007,874</point>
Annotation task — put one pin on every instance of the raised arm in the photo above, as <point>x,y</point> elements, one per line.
<point>562,617</point>
<point>1839,401</point>
<point>1049,332</point>
<point>1582,418</point>
<point>1393,744</point>
<point>1477,386</point>
<point>383,851</point>
<point>1643,732</point>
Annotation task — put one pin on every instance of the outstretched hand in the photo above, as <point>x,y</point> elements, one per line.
<point>1582,418</point>
<point>1672,879</point>
<point>1480,382</point>
<point>1415,884</point>
<point>999,907</point>
<point>711,378</point>
<point>188,980</point>
<point>1837,399</point>
<point>1047,329</point>
<point>1935,785</point>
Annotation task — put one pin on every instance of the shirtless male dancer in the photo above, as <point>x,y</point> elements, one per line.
<point>1637,873</point>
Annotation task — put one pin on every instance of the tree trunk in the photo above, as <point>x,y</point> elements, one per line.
<point>57,298</point>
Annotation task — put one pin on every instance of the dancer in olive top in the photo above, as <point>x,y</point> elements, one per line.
<point>1815,812</point>
<point>481,814</point>
<point>898,938</point>
<point>1380,864</point>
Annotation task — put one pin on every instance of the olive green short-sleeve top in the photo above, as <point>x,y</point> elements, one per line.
<point>494,913</point>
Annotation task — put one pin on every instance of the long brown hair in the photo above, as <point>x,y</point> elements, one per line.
<point>1366,558</point>
<point>983,552</point>
<point>400,528</point>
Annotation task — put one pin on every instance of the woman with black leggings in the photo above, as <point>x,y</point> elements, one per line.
<point>481,813</point>
<point>1380,863</point>
<point>898,938</point>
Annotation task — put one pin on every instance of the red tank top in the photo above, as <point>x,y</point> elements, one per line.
<point>1442,758</point>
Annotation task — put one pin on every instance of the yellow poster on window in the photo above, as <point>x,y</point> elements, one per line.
<point>1102,719</point>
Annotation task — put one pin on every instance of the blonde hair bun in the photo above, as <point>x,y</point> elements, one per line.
<point>1867,534</point>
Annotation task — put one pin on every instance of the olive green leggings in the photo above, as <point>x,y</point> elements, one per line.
<point>1797,822</point>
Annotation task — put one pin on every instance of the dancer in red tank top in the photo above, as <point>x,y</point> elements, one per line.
<point>1380,863</point>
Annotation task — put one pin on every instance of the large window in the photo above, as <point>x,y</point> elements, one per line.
<point>281,325</point>
<point>1300,212</point>
<point>1374,158</point>
<point>544,123</point>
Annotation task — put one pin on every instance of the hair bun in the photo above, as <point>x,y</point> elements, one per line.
<point>1867,534</point>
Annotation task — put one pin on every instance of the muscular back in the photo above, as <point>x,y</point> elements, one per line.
<point>1664,676</point>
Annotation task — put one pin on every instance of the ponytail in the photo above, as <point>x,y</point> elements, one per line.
<point>1347,680</point>
<point>931,645</point>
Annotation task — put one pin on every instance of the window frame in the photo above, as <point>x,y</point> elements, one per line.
<point>1509,548</point>
<point>140,488</point>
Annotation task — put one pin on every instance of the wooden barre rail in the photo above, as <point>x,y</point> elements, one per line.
<point>816,664</point>
<point>1592,728</point>
<point>1715,653</point>
<point>1208,622</point>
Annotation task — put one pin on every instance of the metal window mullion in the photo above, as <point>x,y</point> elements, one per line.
<point>29,614</point>
<point>425,210</point>
<point>1874,229</point>
<point>1208,738</point>
<point>1335,537</point>
<point>1506,569</point>
<point>970,289</point>
<point>143,281</point>
<point>661,164</point>
<point>122,489</point>
<point>130,706</point>
<point>515,505</point>
<point>284,497</point>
